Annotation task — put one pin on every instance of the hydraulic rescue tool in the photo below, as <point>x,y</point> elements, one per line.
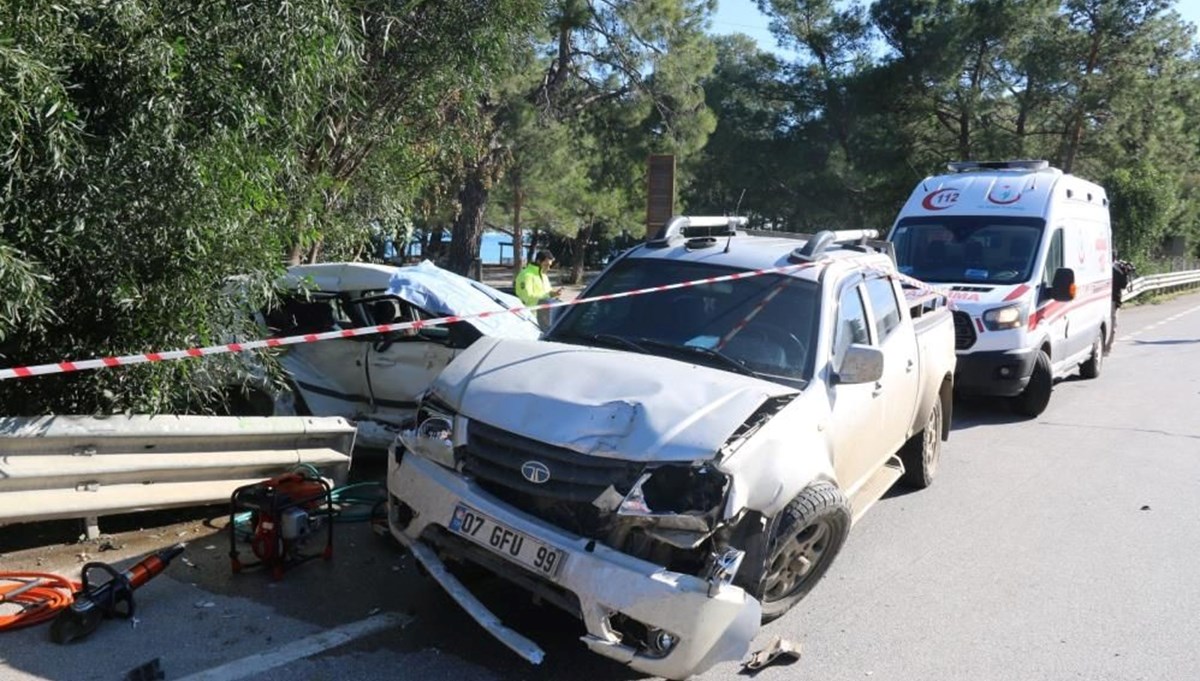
<point>109,598</point>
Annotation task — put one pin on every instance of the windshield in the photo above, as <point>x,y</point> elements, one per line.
<point>972,249</point>
<point>762,325</point>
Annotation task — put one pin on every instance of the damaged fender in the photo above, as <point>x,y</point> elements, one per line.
<point>784,455</point>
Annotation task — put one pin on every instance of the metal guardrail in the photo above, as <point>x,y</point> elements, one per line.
<point>85,467</point>
<point>1160,282</point>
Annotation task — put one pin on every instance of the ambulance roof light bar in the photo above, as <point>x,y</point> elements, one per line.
<point>1020,164</point>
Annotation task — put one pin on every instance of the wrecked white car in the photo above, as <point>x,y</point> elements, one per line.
<point>376,380</point>
<point>677,467</point>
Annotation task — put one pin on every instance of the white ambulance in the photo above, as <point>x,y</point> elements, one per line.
<point>1024,252</point>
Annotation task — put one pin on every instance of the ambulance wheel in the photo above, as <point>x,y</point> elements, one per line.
<point>805,538</point>
<point>1091,368</point>
<point>1033,400</point>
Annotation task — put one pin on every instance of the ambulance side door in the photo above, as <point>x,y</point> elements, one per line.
<point>1051,314</point>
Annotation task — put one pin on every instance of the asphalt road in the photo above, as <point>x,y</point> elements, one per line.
<point>1063,547</point>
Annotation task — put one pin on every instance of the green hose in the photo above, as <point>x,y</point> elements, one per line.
<point>353,503</point>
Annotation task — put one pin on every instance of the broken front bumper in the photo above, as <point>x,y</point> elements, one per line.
<point>607,583</point>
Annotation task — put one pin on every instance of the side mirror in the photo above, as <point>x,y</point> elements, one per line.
<point>1063,287</point>
<point>862,364</point>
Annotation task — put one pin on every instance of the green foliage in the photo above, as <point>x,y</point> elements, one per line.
<point>155,149</point>
<point>1095,86</point>
<point>1142,201</point>
<point>606,85</point>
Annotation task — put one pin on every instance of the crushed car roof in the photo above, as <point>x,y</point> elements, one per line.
<point>427,286</point>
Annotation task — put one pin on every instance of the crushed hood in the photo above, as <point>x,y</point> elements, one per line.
<point>601,402</point>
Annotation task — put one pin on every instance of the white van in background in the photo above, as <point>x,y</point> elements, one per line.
<point>1025,252</point>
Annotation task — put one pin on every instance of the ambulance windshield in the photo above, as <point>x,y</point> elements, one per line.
<point>972,249</point>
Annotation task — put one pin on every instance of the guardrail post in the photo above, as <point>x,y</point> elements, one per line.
<point>91,527</point>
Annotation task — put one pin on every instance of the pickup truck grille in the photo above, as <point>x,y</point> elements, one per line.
<point>964,333</point>
<point>494,457</point>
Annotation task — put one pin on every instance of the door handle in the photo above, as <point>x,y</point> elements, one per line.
<point>878,389</point>
<point>909,367</point>
<point>378,362</point>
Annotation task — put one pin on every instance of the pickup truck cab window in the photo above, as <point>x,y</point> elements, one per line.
<point>762,325</point>
<point>851,326</point>
<point>886,311</point>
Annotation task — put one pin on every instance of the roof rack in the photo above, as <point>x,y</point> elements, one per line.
<point>1019,164</point>
<point>818,243</point>
<point>714,226</point>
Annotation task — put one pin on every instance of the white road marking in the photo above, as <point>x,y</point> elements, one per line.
<point>1130,336</point>
<point>302,648</point>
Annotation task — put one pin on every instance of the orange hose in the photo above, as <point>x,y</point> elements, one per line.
<point>39,603</point>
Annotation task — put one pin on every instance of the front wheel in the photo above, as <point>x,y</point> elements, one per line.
<point>1091,368</point>
<point>1033,400</point>
<point>805,538</point>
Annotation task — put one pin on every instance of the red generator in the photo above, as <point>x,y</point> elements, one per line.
<point>285,515</point>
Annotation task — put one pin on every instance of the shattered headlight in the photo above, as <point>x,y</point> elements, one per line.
<point>674,489</point>
<point>677,504</point>
<point>433,438</point>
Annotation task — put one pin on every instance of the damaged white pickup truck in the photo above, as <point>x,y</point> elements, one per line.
<point>676,467</point>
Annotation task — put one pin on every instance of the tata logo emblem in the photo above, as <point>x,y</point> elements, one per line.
<point>536,472</point>
<point>940,199</point>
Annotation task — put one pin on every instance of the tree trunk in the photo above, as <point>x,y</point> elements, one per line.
<point>1023,111</point>
<point>468,226</point>
<point>424,241</point>
<point>532,244</point>
<point>436,245</point>
<point>580,255</point>
<point>517,231</point>
<point>1075,132</point>
<point>295,252</point>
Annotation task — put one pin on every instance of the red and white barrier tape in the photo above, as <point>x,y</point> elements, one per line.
<point>125,360</point>
<point>922,286</point>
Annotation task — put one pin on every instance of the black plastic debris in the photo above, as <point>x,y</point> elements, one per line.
<point>151,671</point>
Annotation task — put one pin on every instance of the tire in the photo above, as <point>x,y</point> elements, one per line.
<point>923,450</point>
<point>806,536</point>
<point>1033,400</point>
<point>249,402</point>
<point>298,403</point>
<point>1091,368</point>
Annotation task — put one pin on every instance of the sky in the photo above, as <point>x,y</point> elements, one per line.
<point>742,16</point>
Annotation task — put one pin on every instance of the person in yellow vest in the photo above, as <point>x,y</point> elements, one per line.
<point>532,285</point>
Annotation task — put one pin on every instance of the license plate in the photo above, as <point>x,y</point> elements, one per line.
<point>506,541</point>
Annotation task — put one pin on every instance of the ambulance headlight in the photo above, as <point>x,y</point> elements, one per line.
<point>1007,317</point>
